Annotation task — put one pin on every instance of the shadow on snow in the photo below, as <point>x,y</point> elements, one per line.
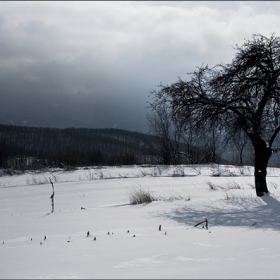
<point>247,212</point>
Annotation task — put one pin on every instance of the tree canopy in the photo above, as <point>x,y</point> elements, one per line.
<point>243,94</point>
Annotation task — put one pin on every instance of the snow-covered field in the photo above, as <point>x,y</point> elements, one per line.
<point>242,239</point>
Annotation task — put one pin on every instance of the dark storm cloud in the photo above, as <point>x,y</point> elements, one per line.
<point>93,64</point>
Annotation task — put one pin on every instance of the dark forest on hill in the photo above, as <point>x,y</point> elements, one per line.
<point>36,147</point>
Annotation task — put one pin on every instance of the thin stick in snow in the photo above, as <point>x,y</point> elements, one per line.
<point>52,196</point>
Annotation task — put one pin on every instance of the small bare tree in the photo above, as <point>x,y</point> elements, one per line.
<point>240,141</point>
<point>168,135</point>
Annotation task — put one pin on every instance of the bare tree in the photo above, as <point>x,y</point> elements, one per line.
<point>179,142</point>
<point>193,140</point>
<point>168,134</point>
<point>203,142</point>
<point>240,141</point>
<point>244,94</point>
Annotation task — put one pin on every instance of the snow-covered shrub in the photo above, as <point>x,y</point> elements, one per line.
<point>173,197</point>
<point>90,175</point>
<point>217,171</point>
<point>179,171</point>
<point>142,173</point>
<point>156,171</point>
<point>274,185</point>
<point>251,185</point>
<point>213,186</point>
<point>140,196</point>
<point>101,175</point>
<point>233,185</point>
<point>229,186</point>
<point>241,200</point>
<point>36,180</point>
<point>196,168</point>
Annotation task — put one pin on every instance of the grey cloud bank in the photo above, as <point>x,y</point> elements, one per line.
<point>93,64</point>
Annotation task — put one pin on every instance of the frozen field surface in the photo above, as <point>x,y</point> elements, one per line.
<point>94,231</point>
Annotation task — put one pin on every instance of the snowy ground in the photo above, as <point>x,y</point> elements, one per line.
<point>242,239</point>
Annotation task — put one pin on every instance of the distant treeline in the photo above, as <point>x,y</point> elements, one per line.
<point>24,147</point>
<point>33,148</point>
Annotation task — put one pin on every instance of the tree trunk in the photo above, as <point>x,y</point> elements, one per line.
<point>262,156</point>
<point>260,182</point>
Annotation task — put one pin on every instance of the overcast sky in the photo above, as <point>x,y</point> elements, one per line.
<point>93,64</point>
